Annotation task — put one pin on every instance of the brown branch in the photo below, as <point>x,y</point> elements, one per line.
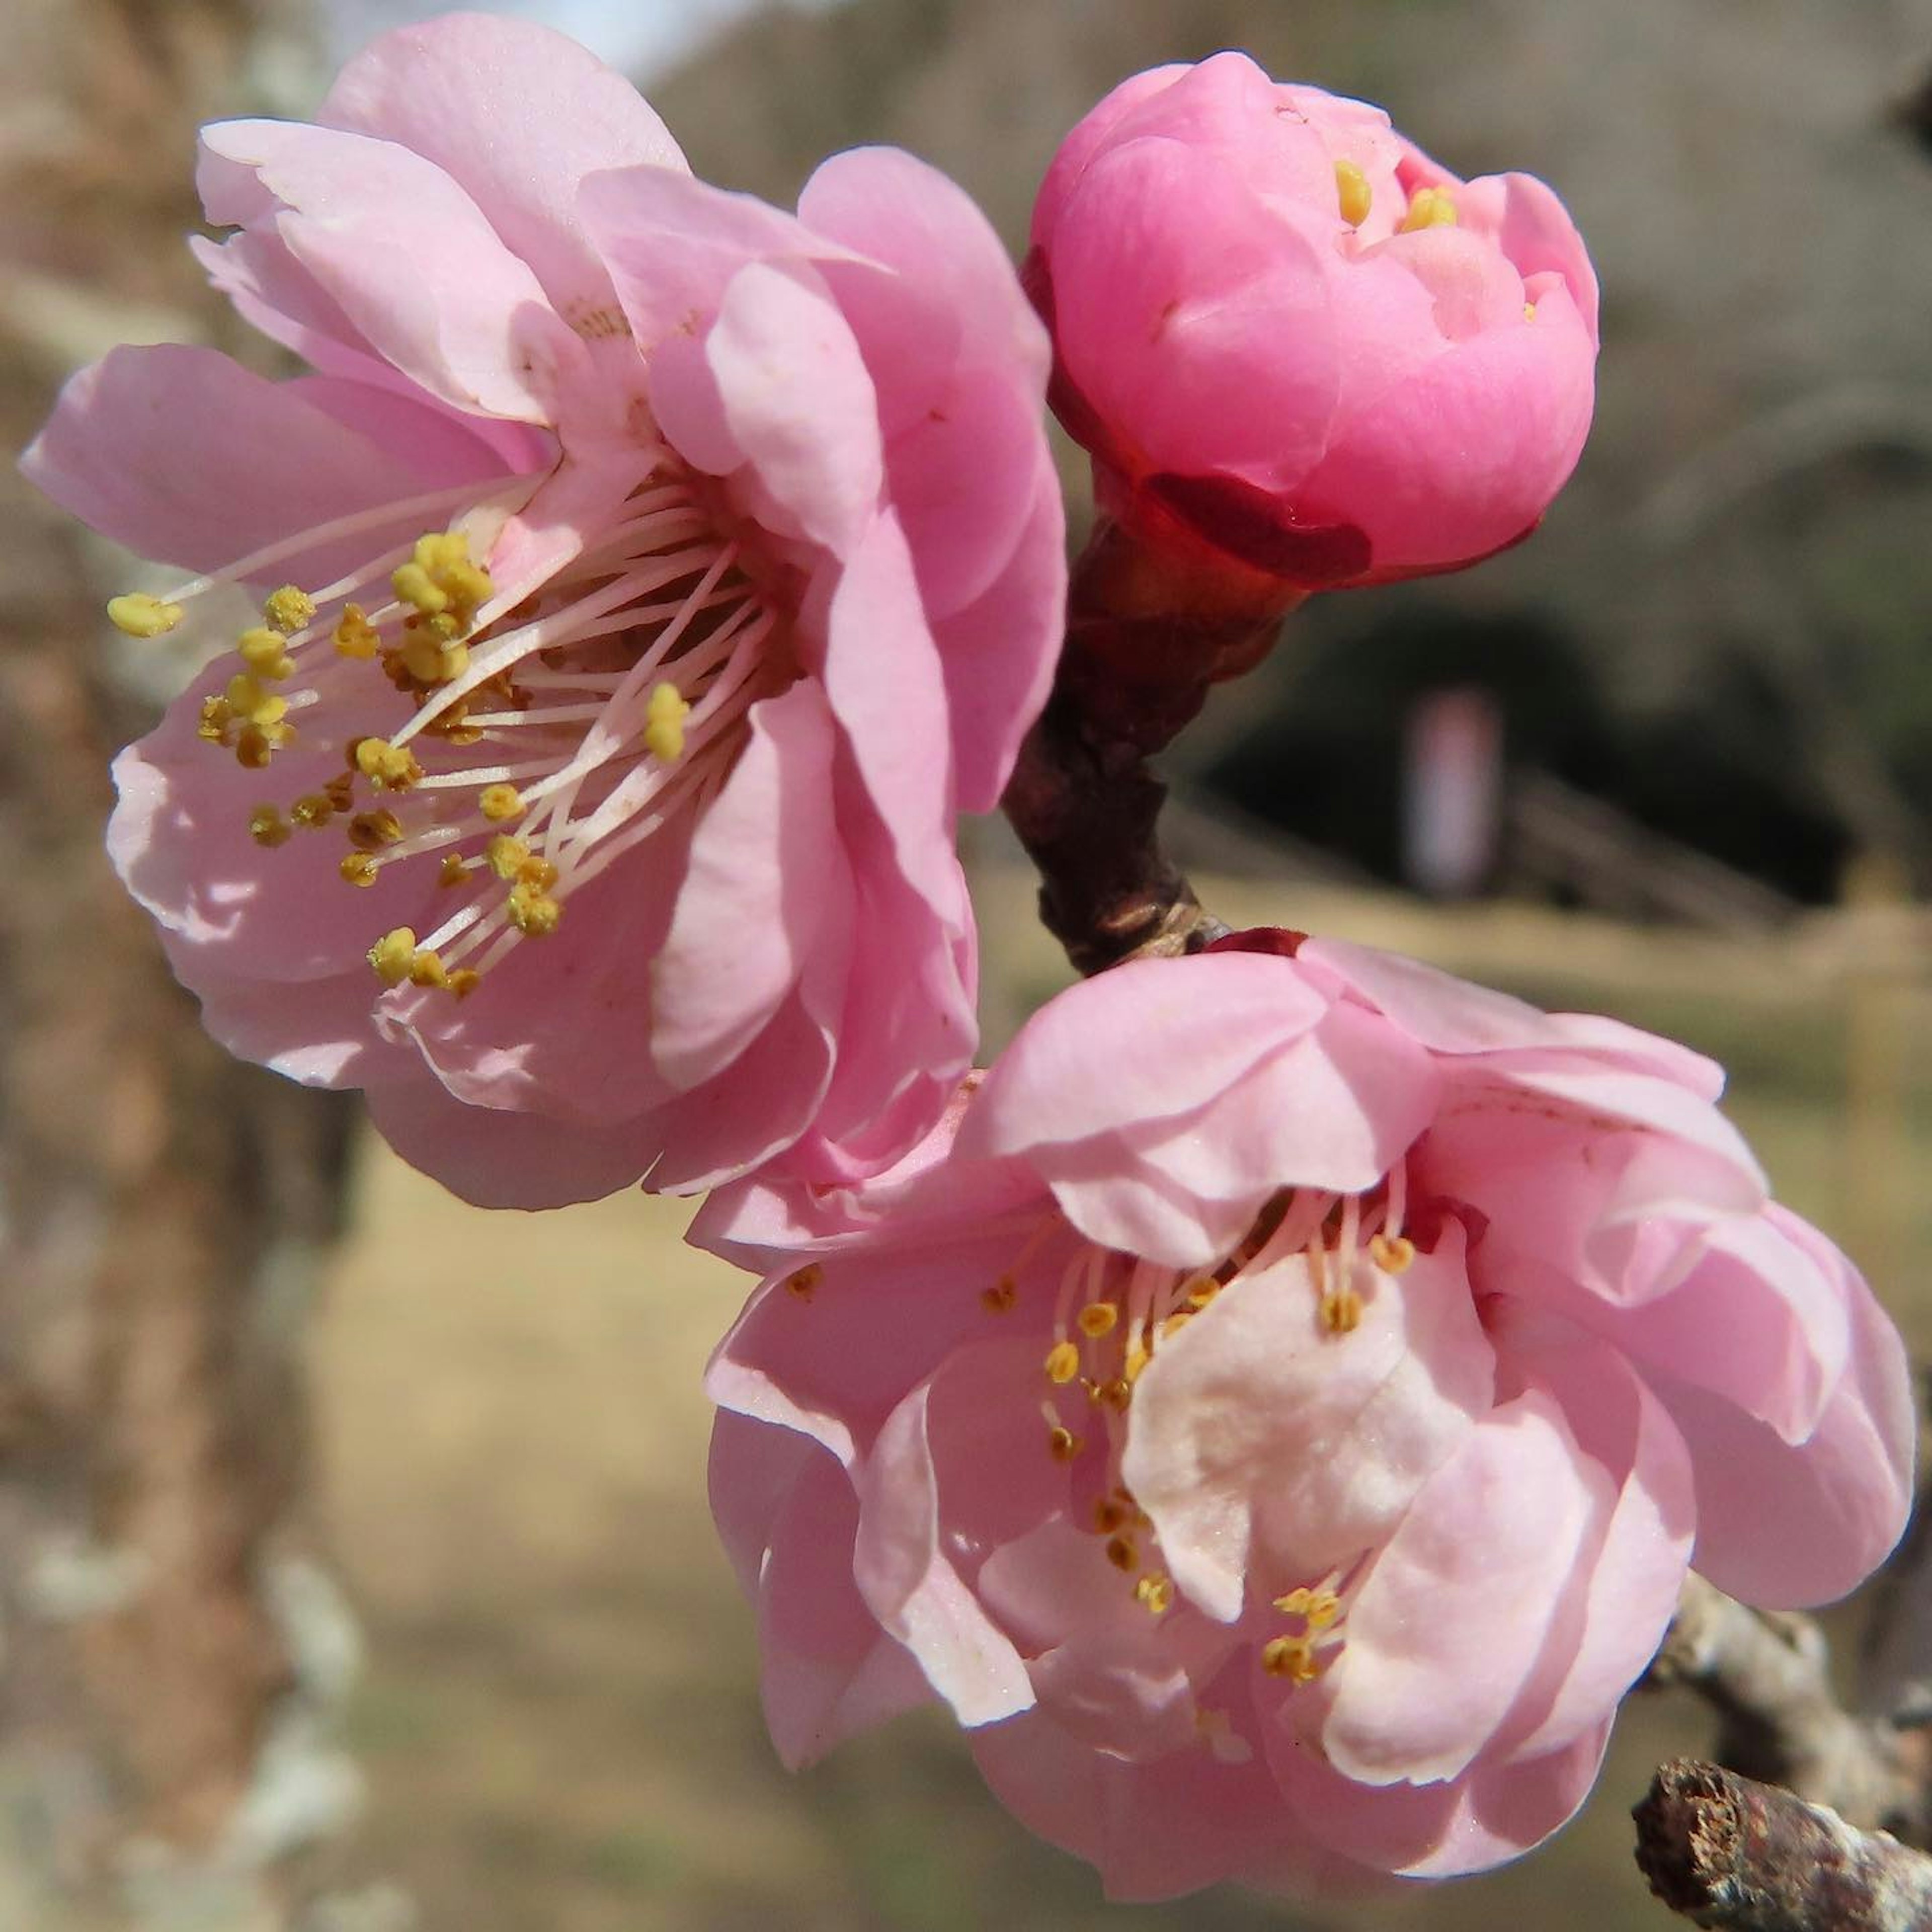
<point>1143,644</point>
<point>1768,1675</point>
<point>1727,1852</point>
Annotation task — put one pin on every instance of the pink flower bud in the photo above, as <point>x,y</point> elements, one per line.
<point>1293,342</point>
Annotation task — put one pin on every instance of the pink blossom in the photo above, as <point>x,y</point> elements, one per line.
<point>1293,342</point>
<point>661,572</point>
<point>1277,1411</point>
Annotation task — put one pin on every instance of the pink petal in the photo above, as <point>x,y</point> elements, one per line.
<point>913,1587</point>
<point>1259,1440</point>
<point>1211,342</point>
<point>672,244</point>
<point>406,255</point>
<point>765,886</point>
<point>1335,1109</point>
<point>186,457</point>
<point>1154,1830</point>
<point>1454,1614</point>
<point>516,115</point>
<point>799,404</point>
<point>998,653</point>
<point>828,1671</point>
<point>1788,1525</point>
<point>1155,1039</point>
<point>498,1157</point>
<point>1636,1555</point>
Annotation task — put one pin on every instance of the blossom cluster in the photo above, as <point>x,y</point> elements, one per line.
<point>1276,1404</point>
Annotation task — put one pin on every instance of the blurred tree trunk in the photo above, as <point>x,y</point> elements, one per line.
<point>162,1209</point>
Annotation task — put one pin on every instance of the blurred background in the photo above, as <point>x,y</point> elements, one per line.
<point>354,1570</point>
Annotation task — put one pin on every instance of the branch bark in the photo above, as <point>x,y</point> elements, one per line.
<point>1727,1852</point>
<point>1767,1673</point>
<point>1143,646</point>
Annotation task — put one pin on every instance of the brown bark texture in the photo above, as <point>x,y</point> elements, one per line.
<point>161,1206</point>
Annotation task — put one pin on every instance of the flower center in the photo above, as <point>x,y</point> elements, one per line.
<point>552,725</point>
<point>1112,1314</point>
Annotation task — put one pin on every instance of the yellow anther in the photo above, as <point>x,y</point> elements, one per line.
<point>1529,311</point>
<point>538,874</point>
<point>266,827</point>
<point>1122,1551</point>
<point>394,767</point>
<point>1323,1607</point>
<point>1200,1293</point>
<point>464,981</point>
<point>506,855</point>
<point>440,581</point>
<point>313,810</point>
<point>1097,1319</point>
<point>1290,1657</point>
<point>289,609</point>
<point>371,831</point>
<point>414,585</point>
<point>663,723</point>
<point>1341,1311</point>
<point>426,969</point>
<point>356,637</point>
<point>1062,1445</point>
<point>1110,1514</point>
<point>1063,1362</point>
<point>1156,1592</point>
<point>250,702</point>
<point>454,872</point>
<point>500,802</point>
<point>1351,186</point>
<point>1392,1257</point>
<point>1001,1296</point>
<point>142,616</point>
<point>217,714</point>
<point>393,954</point>
<point>265,652</point>
<point>1172,1325</point>
<point>802,1282</point>
<point>1432,207</point>
<point>430,659</point>
<point>1115,1394</point>
<point>358,869</point>
<point>1138,1358</point>
<point>535,914</point>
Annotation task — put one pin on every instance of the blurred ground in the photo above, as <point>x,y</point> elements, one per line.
<point>559,1721</point>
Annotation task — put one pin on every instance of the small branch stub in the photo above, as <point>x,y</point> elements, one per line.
<point>1728,1852</point>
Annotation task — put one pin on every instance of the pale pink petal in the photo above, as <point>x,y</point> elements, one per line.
<point>498,1157</point>
<point>1788,1525</point>
<point>404,253</point>
<point>911,1584</point>
<point>998,652</point>
<point>799,404</point>
<point>1336,1109</point>
<point>1257,1386</point>
<point>673,244</point>
<point>1632,1574</point>
<point>765,880</point>
<point>517,115</point>
<point>1153,1831</point>
<point>1154,1039</point>
<point>1454,1612</point>
<point>828,1671</point>
<point>266,464</point>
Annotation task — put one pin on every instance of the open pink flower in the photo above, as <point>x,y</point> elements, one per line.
<point>649,575</point>
<point>1277,1411</point>
<point>1293,342</point>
